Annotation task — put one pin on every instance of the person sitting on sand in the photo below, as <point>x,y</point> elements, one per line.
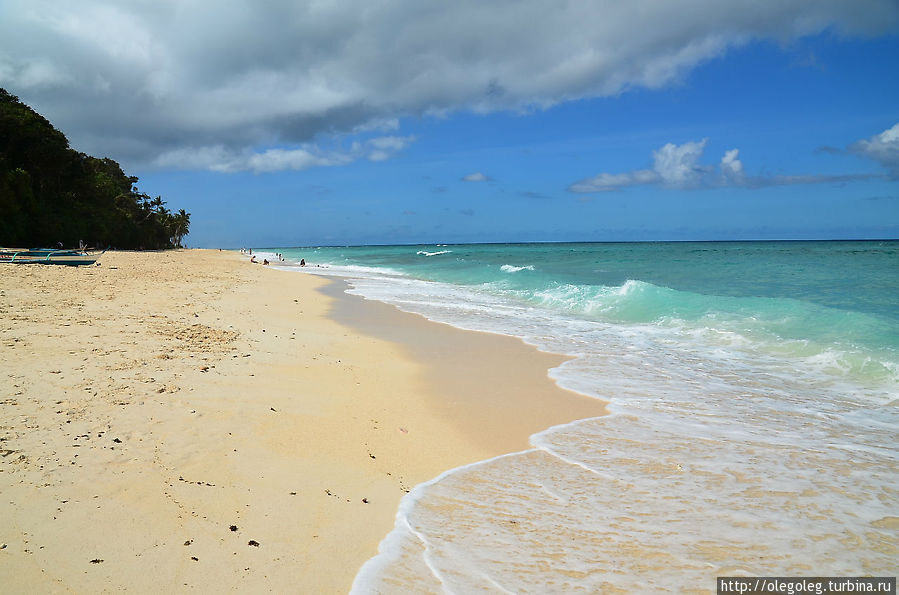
<point>265,261</point>
<point>253,258</point>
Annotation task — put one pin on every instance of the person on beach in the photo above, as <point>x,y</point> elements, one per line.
<point>302,262</point>
<point>253,258</point>
<point>265,261</point>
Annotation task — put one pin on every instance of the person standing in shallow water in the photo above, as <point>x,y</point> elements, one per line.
<point>302,262</point>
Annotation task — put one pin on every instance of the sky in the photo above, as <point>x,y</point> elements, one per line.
<point>335,122</point>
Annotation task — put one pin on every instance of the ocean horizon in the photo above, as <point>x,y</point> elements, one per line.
<point>752,387</point>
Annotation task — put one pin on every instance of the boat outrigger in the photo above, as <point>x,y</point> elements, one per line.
<point>48,256</point>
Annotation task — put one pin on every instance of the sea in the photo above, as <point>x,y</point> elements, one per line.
<point>754,398</point>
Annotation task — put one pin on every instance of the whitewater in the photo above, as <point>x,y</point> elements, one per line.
<point>753,389</point>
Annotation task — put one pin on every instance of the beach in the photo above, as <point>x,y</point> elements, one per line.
<point>188,420</point>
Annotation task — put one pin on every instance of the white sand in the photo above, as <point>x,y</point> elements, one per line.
<point>150,403</point>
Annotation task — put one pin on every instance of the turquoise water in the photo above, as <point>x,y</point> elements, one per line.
<point>831,294</point>
<point>754,389</point>
<point>854,276</point>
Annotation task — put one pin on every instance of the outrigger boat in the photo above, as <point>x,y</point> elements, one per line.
<point>48,256</point>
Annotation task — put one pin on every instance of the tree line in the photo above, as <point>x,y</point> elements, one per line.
<point>51,194</point>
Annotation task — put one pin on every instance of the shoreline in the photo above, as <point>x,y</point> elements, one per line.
<point>460,367</point>
<point>162,398</point>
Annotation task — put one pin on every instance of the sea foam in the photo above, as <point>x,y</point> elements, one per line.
<point>438,253</point>
<point>508,268</point>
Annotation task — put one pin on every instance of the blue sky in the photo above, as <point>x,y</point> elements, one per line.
<point>774,122</point>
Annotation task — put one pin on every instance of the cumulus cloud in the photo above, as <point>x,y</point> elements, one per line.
<point>146,80</point>
<point>674,166</point>
<point>883,148</point>
<point>678,167</point>
<point>732,167</point>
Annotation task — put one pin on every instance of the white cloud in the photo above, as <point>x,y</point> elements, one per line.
<point>678,167</point>
<point>385,147</point>
<point>214,158</point>
<point>674,166</point>
<point>883,148</point>
<point>476,177</point>
<point>605,182</point>
<point>181,74</point>
<point>220,158</point>
<point>292,159</point>
<point>732,167</point>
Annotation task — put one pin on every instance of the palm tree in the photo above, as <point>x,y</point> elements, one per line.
<point>180,226</point>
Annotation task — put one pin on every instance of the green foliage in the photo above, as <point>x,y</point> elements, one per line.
<point>51,194</point>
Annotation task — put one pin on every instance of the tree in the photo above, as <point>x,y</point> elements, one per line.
<point>50,193</point>
<point>180,225</point>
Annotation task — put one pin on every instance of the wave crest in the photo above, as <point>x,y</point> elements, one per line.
<point>423,253</point>
<point>508,268</point>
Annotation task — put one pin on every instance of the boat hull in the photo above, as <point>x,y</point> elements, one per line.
<point>43,256</point>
